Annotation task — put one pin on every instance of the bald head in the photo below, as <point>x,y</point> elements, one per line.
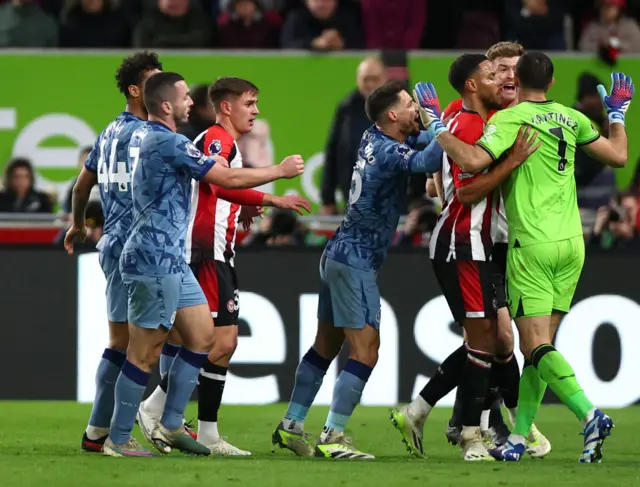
<point>371,74</point>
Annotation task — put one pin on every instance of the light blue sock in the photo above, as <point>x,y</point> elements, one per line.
<point>167,356</point>
<point>347,393</point>
<point>129,390</point>
<point>106,377</point>
<point>183,378</point>
<point>309,375</point>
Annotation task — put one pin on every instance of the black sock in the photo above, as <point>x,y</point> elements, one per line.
<point>474,386</point>
<point>456,417</point>
<point>493,401</point>
<point>164,382</point>
<point>210,387</point>
<point>446,378</point>
<point>508,378</point>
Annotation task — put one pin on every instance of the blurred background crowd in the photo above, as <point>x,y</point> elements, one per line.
<point>603,28</point>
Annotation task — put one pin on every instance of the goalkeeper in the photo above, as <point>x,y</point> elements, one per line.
<point>546,244</point>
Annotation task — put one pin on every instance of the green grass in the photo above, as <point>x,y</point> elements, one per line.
<point>39,446</point>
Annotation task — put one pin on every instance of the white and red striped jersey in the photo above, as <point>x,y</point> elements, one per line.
<point>213,222</point>
<point>464,232</point>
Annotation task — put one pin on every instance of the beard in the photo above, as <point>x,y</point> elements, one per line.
<point>492,102</point>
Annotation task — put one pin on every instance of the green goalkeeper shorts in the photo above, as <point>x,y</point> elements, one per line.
<point>543,277</point>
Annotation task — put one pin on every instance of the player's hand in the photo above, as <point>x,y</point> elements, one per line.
<point>292,166</point>
<point>249,212</point>
<point>617,102</point>
<point>524,146</point>
<point>429,107</point>
<point>221,160</point>
<point>292,202</point>
<point>74,234</point>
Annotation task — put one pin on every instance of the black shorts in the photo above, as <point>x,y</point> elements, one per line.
<point>473,289</point>
<point>220,286</point>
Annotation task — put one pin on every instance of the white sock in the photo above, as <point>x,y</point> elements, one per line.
<point>512,416</point>
<point>293,425</point>
<point>95,433</point>
<point>208,432</point>
<point>484,420</point>
<point>517,439</point>
<point>154,404</point>
<point>419,409</point>
<point>589,417</point>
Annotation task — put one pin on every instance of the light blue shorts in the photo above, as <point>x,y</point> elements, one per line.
<point>154,301</point>
<point>116,291</point>
<point>349,297</point>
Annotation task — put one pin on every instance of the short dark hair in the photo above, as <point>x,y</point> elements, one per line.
<point>200,95</point>
<point>228,87</point>
<point>17,163</point>
<point>133,68</point>
<point>464,68</point>
<point>158,89</point>
<point>535,71</point>
<point>382,99</point>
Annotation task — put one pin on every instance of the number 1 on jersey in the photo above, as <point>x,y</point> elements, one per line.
<point>562,147</point>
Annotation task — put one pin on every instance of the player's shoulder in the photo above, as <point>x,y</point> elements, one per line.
<point>467,125</point>
<point>216,140</point>
<point>452,108</point>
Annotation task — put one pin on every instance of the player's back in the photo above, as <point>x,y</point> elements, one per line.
<point>373,210</point>
<point>540,196</point>
<point>109,159</point>
<point>161,201</point>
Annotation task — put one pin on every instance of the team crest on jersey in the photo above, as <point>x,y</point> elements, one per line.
<point>215,147</point>
<point>403,150</point>
<point>231,306</point>
<point>489,130</point>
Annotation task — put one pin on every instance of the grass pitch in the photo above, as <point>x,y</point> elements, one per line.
<point>39,447</point>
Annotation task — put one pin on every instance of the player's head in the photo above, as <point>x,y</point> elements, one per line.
<point>472,76</point>
<point>134,71</point>
<point>166,96</point>
<point>534,72</point>
<point>392,105</point>
<point>236,100</point>
<point>202,111</point>
<point>504,56</point>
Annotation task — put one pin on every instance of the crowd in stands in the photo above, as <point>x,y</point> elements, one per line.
<point>324,25</point>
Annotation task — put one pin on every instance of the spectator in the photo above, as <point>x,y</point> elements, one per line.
<point>323,25</point>
<point>612,30</point>
<point>419,224</point>
<point>201,116</point>
<point>94,222</point>
<point>349,123</point>
<point>19,195</point>
<point>94,23</point>
<point>24,24</point>
<point>596,182</point>
<point>479,25</point>
<point>174,24</point>
<point>615,226</point>
<point>95,192</point>
<point>246,26</point>
<point>394,25</point>
<point>537,24</point>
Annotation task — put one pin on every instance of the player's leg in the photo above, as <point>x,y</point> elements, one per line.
<point>195,325</point>
<point>170,349</point>
<point>112,357</point>
<point>149,321</point>
<point>310,374</point>
<point>356,309</point>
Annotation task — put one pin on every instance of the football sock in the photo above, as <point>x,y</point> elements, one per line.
<point>210,388</point>
<point>474,386</point>
<point>558,374</point>
<point>507,378</point>
<point>129,389</point>
<point>346,394</point>
<point>167,356</point>
<point>447,377</point>
<point>106,377</point>
<point>532,389</point>
<point>183,377</point>
<point>309,376</point>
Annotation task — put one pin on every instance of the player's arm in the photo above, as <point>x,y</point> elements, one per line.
<point>80,198</point>
<point>437,180</point>
<point>402,158</point>
<point>470,158</point>
<point>250,197</point>
<point>238,178</point>
<point>614,150</point>
<point>480,186</point>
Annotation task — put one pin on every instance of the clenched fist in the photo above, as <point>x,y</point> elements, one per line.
<point>292,166</point>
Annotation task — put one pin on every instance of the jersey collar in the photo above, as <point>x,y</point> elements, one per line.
<point>544,102</point>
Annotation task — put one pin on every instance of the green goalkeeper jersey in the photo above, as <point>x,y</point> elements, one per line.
<point>540,196</point>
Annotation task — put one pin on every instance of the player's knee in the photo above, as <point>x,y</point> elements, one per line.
<point>144,354</point>
<point>329,340</point>
<point>364,345</point>
<point>481,334</point>
<point>118,335</point>
<point>504,339</point>
<point>226,343</point>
